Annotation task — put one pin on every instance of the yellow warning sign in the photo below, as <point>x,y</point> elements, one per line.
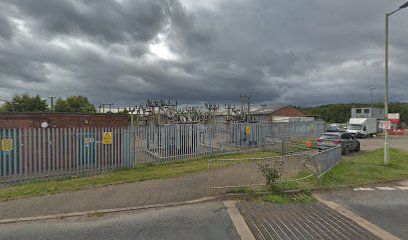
<point>107,138</point>
<point>247,130</point>
<point>6,144</point>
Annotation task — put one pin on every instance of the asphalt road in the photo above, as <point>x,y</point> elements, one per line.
<point>386,209</point>
<point>197,221</point>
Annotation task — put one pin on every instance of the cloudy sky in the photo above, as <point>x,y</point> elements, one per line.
<point>301,52</point>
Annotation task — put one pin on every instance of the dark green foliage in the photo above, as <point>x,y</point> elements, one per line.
<point>74,104</point>
<point>25,103</point>
<point>341,113</point>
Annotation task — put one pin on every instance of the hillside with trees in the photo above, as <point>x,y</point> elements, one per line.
<point>341,113</point>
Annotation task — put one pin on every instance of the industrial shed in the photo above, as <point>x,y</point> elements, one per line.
<point>268,114</point>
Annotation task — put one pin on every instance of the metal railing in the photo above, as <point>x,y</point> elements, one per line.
<point>326,160</point>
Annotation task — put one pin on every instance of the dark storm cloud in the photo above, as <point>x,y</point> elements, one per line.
<point>298,52</point>
<point>106,19</point>
<point>6,31</point>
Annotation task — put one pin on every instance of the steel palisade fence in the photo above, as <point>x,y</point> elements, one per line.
<point>185,141</point>
<point>32,154</point>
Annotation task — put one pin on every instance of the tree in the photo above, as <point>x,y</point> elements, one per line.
<point>25,103</point>
<point>341,113</point>
<point>74,104</point>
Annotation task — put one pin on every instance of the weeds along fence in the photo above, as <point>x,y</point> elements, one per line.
<point>31,154</point>
<point>224,174</point>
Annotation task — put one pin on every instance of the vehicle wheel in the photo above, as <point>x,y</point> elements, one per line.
<point>346,150</point>
<point>358,147</point>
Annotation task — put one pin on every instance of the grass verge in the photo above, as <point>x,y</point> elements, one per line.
<point>359,169</point>
<point>139,173</point>
<point>367,168</point>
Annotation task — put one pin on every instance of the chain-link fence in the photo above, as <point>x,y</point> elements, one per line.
<point>235,173</point>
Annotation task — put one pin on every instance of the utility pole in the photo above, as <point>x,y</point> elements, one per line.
<point>386,144</point>
<point>371,97</point>
<point>52,102</point>
<point>106,104</point>
<point>245,107</point>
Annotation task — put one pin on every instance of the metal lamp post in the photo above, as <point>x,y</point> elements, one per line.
<point>386,145</point>
<point>371,97</point>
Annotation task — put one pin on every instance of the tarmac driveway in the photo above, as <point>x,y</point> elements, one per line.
<point>384,205</point>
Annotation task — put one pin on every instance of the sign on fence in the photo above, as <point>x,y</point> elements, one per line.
<point>88,141</point>
<point>248,130</point>
<point>6,144</point>
<point>107,138</point>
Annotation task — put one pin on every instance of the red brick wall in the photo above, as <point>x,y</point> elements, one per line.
<point>288,111</point>
<point>60,120</point>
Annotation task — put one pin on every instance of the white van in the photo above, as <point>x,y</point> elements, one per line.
<point>362,127</point>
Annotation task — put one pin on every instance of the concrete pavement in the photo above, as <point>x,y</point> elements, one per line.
<point>197,221</point>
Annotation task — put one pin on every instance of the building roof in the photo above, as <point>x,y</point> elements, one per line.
<point>265,110</point>
<point>261,110</point>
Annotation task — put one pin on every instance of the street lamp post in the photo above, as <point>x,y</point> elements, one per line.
<point>371,97</point>
<point>386,145</point>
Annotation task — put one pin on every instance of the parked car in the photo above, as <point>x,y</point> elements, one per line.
<point>333,139</point>
<point>335,128</point>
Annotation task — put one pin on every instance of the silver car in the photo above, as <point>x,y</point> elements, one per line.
<point>333,139</point>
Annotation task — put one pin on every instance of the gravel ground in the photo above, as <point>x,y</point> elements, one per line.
<point>400,142</point>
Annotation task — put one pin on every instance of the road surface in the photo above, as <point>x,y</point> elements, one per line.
<point>197,221</point>
<point>384,206</point>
